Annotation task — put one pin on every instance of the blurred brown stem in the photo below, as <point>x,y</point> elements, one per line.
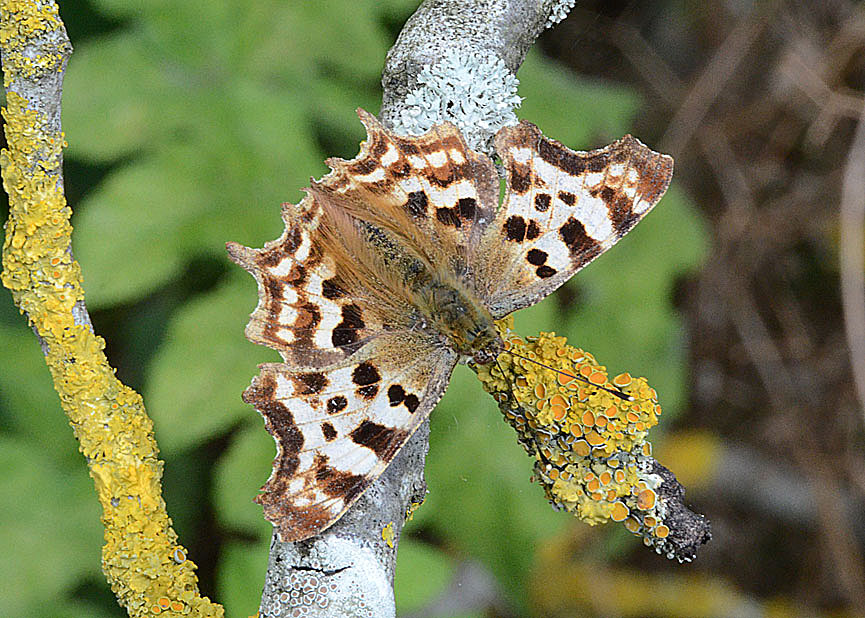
<point>852,256</point>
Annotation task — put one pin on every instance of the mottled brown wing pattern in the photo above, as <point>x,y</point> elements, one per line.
<point>562,209</point>
<point>337,430</point>
<point>307,311</point>
<point>338,291</point>
<point>432,190</point>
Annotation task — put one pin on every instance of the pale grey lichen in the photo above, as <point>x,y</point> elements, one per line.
<point>559,12</point>
<point>477,94</point>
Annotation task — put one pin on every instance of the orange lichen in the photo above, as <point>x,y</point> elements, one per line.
<point>108,418</point>
<point>587,431</point>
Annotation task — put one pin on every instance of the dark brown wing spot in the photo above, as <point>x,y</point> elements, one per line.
<point>292,240</point>
<point>369,391</point>
<point>542,202</point>
<point>417,203</point>
<point>345,333</point>
<point>328,432</point>
<point>608,194</point>
<point>336,404</point>
<point>310,383</point>
<point>448,216</point>
<point>544,272</point>
<point>378,146</point>
<point>521,178</point>
<point>274,287</point>
<point>536,257</point>
<point>555,154</point>
<point>365,374</point>
<point>400,169</point>
<point>622,214</point>
<point>533,230</point>
<point>308,316</point>
<point>515,228</point>
<point>364,166</point>
<point>467,207</point>
<point>567,198</point>
<point>395,395</point>
<point>408,146</point>
<point>573,234</point>
<point>331,290</point>
<point>297,275</point>
<point>383,441</point>
<point>598,163</point>
<point>411,402</point>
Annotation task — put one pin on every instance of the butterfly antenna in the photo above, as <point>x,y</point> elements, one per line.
<point>512,398</point>
<point>612,391</point>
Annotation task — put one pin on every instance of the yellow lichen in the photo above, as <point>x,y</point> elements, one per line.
<point>586,429</point>
<point>387,534</point>
<point>140,556</point>
<point>409,512</point>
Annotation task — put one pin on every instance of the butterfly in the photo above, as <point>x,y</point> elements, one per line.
<point>393,268</point>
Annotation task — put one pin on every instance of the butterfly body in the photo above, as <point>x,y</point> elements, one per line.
<point>394,267</point>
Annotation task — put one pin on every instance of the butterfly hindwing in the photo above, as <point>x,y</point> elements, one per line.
<point>563,208</point>
<point>337,430</point>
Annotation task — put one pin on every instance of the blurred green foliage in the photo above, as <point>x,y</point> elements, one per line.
<point>192,122</point>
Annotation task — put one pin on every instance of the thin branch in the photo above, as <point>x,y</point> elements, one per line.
<point>714,77</point>
<point>146,567</point>
<point>852,255</point>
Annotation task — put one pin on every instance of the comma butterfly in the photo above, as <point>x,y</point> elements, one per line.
<point>394,267</point>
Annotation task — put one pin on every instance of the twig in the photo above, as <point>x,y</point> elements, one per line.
<point>713,79</point>
<point>146,567</point>
<point>852,256</point>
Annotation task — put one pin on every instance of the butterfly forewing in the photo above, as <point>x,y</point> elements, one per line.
<point>432,191</point>
<point>310,310</point>
<point>562,209</point>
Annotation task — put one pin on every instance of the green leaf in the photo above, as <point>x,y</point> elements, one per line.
<point>50,516</point>
<point>422,574</point>
<point>578,112</point>
<point>240,577</point>
<point>196,378</point>
<point>243,468</point>
<point>125,238</point>
<point>117,99</point>
<point>30,405</point>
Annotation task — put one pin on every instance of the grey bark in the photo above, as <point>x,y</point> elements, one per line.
<point>348,570</point>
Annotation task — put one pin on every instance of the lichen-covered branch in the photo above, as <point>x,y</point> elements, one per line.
<point>147,569</point>
<point>457,61</point>
<point>468,52</point>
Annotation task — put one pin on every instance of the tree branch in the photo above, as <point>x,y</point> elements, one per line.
<point>348,570</point>
<point>146,567</point>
